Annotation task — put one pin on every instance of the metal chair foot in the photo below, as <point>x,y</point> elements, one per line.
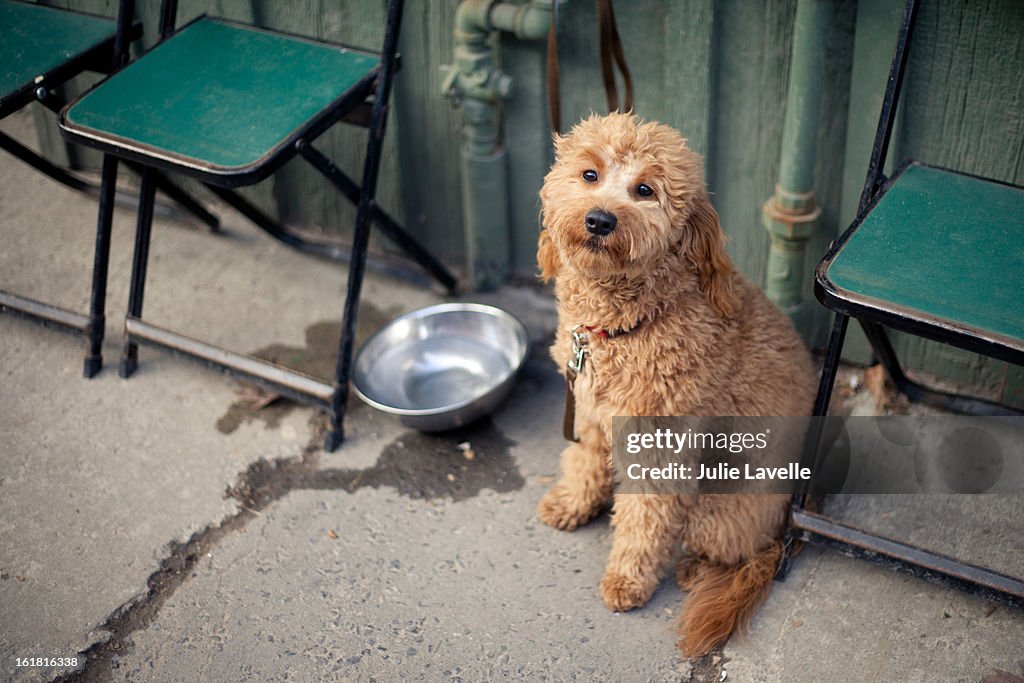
<point>93,364</point>
<point>334,438</point>
<point>129,363</point>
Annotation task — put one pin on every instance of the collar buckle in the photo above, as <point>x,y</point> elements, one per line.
<point>580,350</point>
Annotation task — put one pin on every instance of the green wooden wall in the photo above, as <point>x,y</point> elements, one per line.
<point>715,69</point>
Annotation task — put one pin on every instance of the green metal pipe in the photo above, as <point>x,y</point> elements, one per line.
<point>485,196</point>
<point>803,101</point>
<point>489,242</point>
<point>791,214</point>
<point>475,83</point>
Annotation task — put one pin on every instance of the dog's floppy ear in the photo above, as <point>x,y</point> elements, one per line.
<point>707,253</point>
<point>547,257</point>
<point>558,144</point>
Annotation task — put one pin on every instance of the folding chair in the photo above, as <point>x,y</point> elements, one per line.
<point>937,254</point>
<point>228,104</point>
<point>41,49</point>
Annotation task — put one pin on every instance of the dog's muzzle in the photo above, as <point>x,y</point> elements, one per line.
<point>600,222</point>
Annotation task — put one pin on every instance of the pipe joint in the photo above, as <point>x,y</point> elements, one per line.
<point>472,21</point>
<point>474,74</point>
<point>473,79</point>
<point>530,21</point>
<point>788,220</point>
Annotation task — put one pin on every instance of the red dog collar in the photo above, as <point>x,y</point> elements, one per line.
<point>611,334</point>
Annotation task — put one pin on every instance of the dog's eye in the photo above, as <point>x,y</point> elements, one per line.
<point>644,190</point>
<point>590,176</point>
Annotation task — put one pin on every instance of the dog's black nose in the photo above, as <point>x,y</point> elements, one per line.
<point>600,222</point>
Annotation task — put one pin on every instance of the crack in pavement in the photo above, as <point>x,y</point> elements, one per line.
<point>101,659</point>
<point>416,465</point>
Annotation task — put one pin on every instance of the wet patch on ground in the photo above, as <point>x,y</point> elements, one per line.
<point>316,359</point>
<point>458,464</point>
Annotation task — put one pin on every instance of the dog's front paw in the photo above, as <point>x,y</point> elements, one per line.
<point>561,509</point>
<point>621,593</point>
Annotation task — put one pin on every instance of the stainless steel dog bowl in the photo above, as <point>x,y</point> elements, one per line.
<point>442,366</point>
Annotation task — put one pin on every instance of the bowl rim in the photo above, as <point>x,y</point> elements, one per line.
<point>438,309</point>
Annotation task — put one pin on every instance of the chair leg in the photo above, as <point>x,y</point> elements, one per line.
<point>101,262</point>
<point>968,405</point>
<point>361,240</point>
<point>337,252</point>
<point>147,194</point>
<point>829,370</point>
<point>831,365</point>
<point>343,369</point>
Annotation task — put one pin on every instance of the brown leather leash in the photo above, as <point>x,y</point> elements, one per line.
<point>611,46</point>
<point>554,89</point>
<point>610,49</point>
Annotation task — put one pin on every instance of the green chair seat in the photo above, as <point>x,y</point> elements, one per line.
<point>219,98</point>
<point>36,42</point>
<point>939,246</point>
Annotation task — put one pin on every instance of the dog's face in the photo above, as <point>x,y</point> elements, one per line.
<point>621,196</point>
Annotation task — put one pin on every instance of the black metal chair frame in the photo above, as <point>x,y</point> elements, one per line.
<point>807,525</point>
<point>353,107</point>
<point>106,58</point>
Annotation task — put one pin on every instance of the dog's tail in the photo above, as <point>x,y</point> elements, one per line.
<point>722,599</point>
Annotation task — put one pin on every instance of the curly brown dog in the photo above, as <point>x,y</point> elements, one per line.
<point>638,258</point>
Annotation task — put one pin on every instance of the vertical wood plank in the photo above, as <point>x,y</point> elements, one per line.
<point>752,67</point>
<point>687,70</point>
<point>528,143</point>
<point>425,129</point>
<point>965,95</point>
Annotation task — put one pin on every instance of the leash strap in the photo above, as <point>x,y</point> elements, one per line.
<point>611,46</point>
<point>553,85</point>
<point>610,49</point>
<point>569,421</point>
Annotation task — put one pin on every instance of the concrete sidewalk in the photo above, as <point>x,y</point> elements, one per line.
<point>169,531</point>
